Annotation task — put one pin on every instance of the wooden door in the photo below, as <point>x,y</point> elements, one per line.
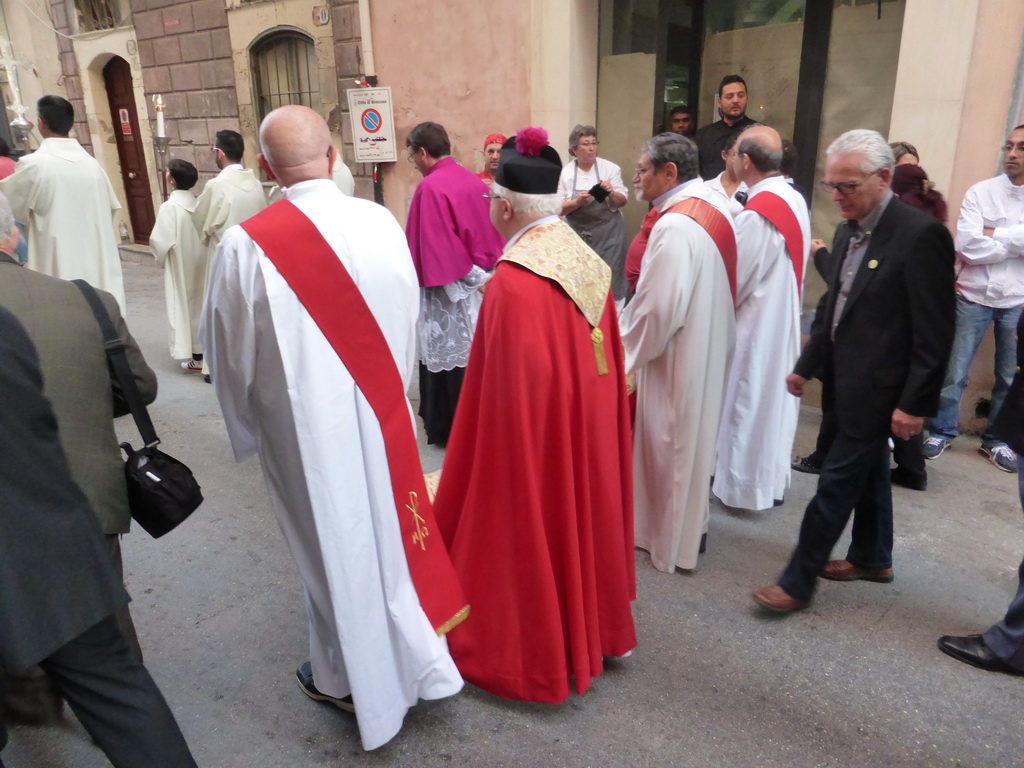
<point>117,77</point>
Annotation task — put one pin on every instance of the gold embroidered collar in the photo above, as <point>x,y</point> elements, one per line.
<point>555,251</point>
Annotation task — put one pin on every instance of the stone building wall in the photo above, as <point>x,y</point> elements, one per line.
<point>185,52</point>
<point>70,72</point>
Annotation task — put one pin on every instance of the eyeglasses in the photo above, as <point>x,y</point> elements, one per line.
<point>588,143</point>
<point>638,171</point>
<point>844,188</point>
<point>492,196</point>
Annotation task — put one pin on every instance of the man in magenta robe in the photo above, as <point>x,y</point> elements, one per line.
<point>453,245</point>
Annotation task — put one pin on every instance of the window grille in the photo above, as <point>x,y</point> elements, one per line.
<point>285,72</point>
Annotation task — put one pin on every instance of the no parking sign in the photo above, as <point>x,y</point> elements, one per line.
<point>373,125</point>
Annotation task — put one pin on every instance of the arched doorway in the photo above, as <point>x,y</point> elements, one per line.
<point>117,78</point>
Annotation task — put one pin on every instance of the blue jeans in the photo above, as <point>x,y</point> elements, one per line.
<point>972,320</point>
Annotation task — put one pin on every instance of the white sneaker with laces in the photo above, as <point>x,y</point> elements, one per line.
<point>1003,456</point>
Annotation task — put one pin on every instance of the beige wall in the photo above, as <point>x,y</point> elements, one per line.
<point>859,87</point>
<point>968,51</point>
<point>36,45</point>
<point>768,58</point>
<point>472,77</point>
<point>563,67</point>
<point>624,120</point>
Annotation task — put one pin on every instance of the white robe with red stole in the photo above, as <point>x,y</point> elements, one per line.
<point>678,333</point>
<point>287,396</point>
<point>759,417</point>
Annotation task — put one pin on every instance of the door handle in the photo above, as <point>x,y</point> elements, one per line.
<point>131,174</point>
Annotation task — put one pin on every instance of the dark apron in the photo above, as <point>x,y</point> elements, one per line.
<point>604,230</point>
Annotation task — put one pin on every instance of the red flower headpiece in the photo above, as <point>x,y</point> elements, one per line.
<point>530,141</point>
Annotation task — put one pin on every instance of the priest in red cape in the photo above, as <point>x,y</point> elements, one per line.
<point>535,499</point>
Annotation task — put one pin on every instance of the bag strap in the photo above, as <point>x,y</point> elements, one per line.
<point>119,362</point>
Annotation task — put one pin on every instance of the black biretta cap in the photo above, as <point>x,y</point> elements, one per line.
<point>529,164</point>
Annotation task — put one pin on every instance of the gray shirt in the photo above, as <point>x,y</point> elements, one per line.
<point>860,235</point>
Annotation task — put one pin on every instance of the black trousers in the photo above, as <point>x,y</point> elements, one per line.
<point>908,454</point>
<point>439,394</point>
<point>854,479</point>
<point>116,700</point>
<point>30,696</point>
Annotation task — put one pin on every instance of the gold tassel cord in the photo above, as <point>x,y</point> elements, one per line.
<point>597,336</point>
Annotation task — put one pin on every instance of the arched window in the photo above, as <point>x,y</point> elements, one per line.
<point>285,71</point>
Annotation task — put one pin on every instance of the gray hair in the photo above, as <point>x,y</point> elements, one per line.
<point>579,132</point>
<point>672,148</point>
<point>870,145</point>
<point>764,159</point>
<point>6,217</point>
<point>531,205</point>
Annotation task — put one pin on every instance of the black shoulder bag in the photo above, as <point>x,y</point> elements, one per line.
<point>162,491</point>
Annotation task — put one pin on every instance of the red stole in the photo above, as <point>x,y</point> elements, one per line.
<point>711,220</point>
<point>635,254</point>
<point>718,226</point>
<point>320,281</point>
<point>781,216</point>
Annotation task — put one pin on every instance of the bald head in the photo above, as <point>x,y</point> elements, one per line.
<point>296,144</point>
<point>758,154</point>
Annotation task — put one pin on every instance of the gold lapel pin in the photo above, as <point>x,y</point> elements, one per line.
<point>872,264</point>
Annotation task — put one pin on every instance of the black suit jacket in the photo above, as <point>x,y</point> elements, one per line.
<point>56,579</point>
<point>893,339</point>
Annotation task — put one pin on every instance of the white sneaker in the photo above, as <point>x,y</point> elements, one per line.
<point>192,366</point>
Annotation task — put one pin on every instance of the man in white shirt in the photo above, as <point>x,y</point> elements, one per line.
<point>759,417</point>
<point>989,290</point>
<point>64,199</point>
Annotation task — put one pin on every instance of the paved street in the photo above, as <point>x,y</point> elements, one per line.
<point>855,680</point>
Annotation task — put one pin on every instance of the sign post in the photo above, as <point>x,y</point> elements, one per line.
<point>373,125</point>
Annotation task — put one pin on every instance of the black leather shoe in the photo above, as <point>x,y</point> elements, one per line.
<point>810,464</point>
<point>304,676</point>
<point>972,650</point>
<point>902,477</point>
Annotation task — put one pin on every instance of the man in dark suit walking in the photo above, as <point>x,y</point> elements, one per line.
<point>58,589</point>
<point>882,335</point>
<point>79,383</point>
<point>1001,647</point>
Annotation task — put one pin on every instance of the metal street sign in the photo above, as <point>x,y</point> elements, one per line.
<point>373,125</point>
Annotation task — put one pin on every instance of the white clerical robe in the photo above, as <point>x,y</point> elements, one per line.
<point>287,396</point>
<point>678,333</point>
<point>759,418</point>
<point>176,246</point>
<point>231,197</point>
<point>64,200</point>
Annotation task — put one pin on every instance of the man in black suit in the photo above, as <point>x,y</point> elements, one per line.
<point>1001,647</point>
<point>58,588</point>
<point>882,336</point>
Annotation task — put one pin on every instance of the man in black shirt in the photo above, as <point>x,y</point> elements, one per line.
<point>711,139</point>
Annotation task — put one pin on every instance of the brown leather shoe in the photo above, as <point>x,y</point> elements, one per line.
<point>775,598</point>
<point>844,570</point>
